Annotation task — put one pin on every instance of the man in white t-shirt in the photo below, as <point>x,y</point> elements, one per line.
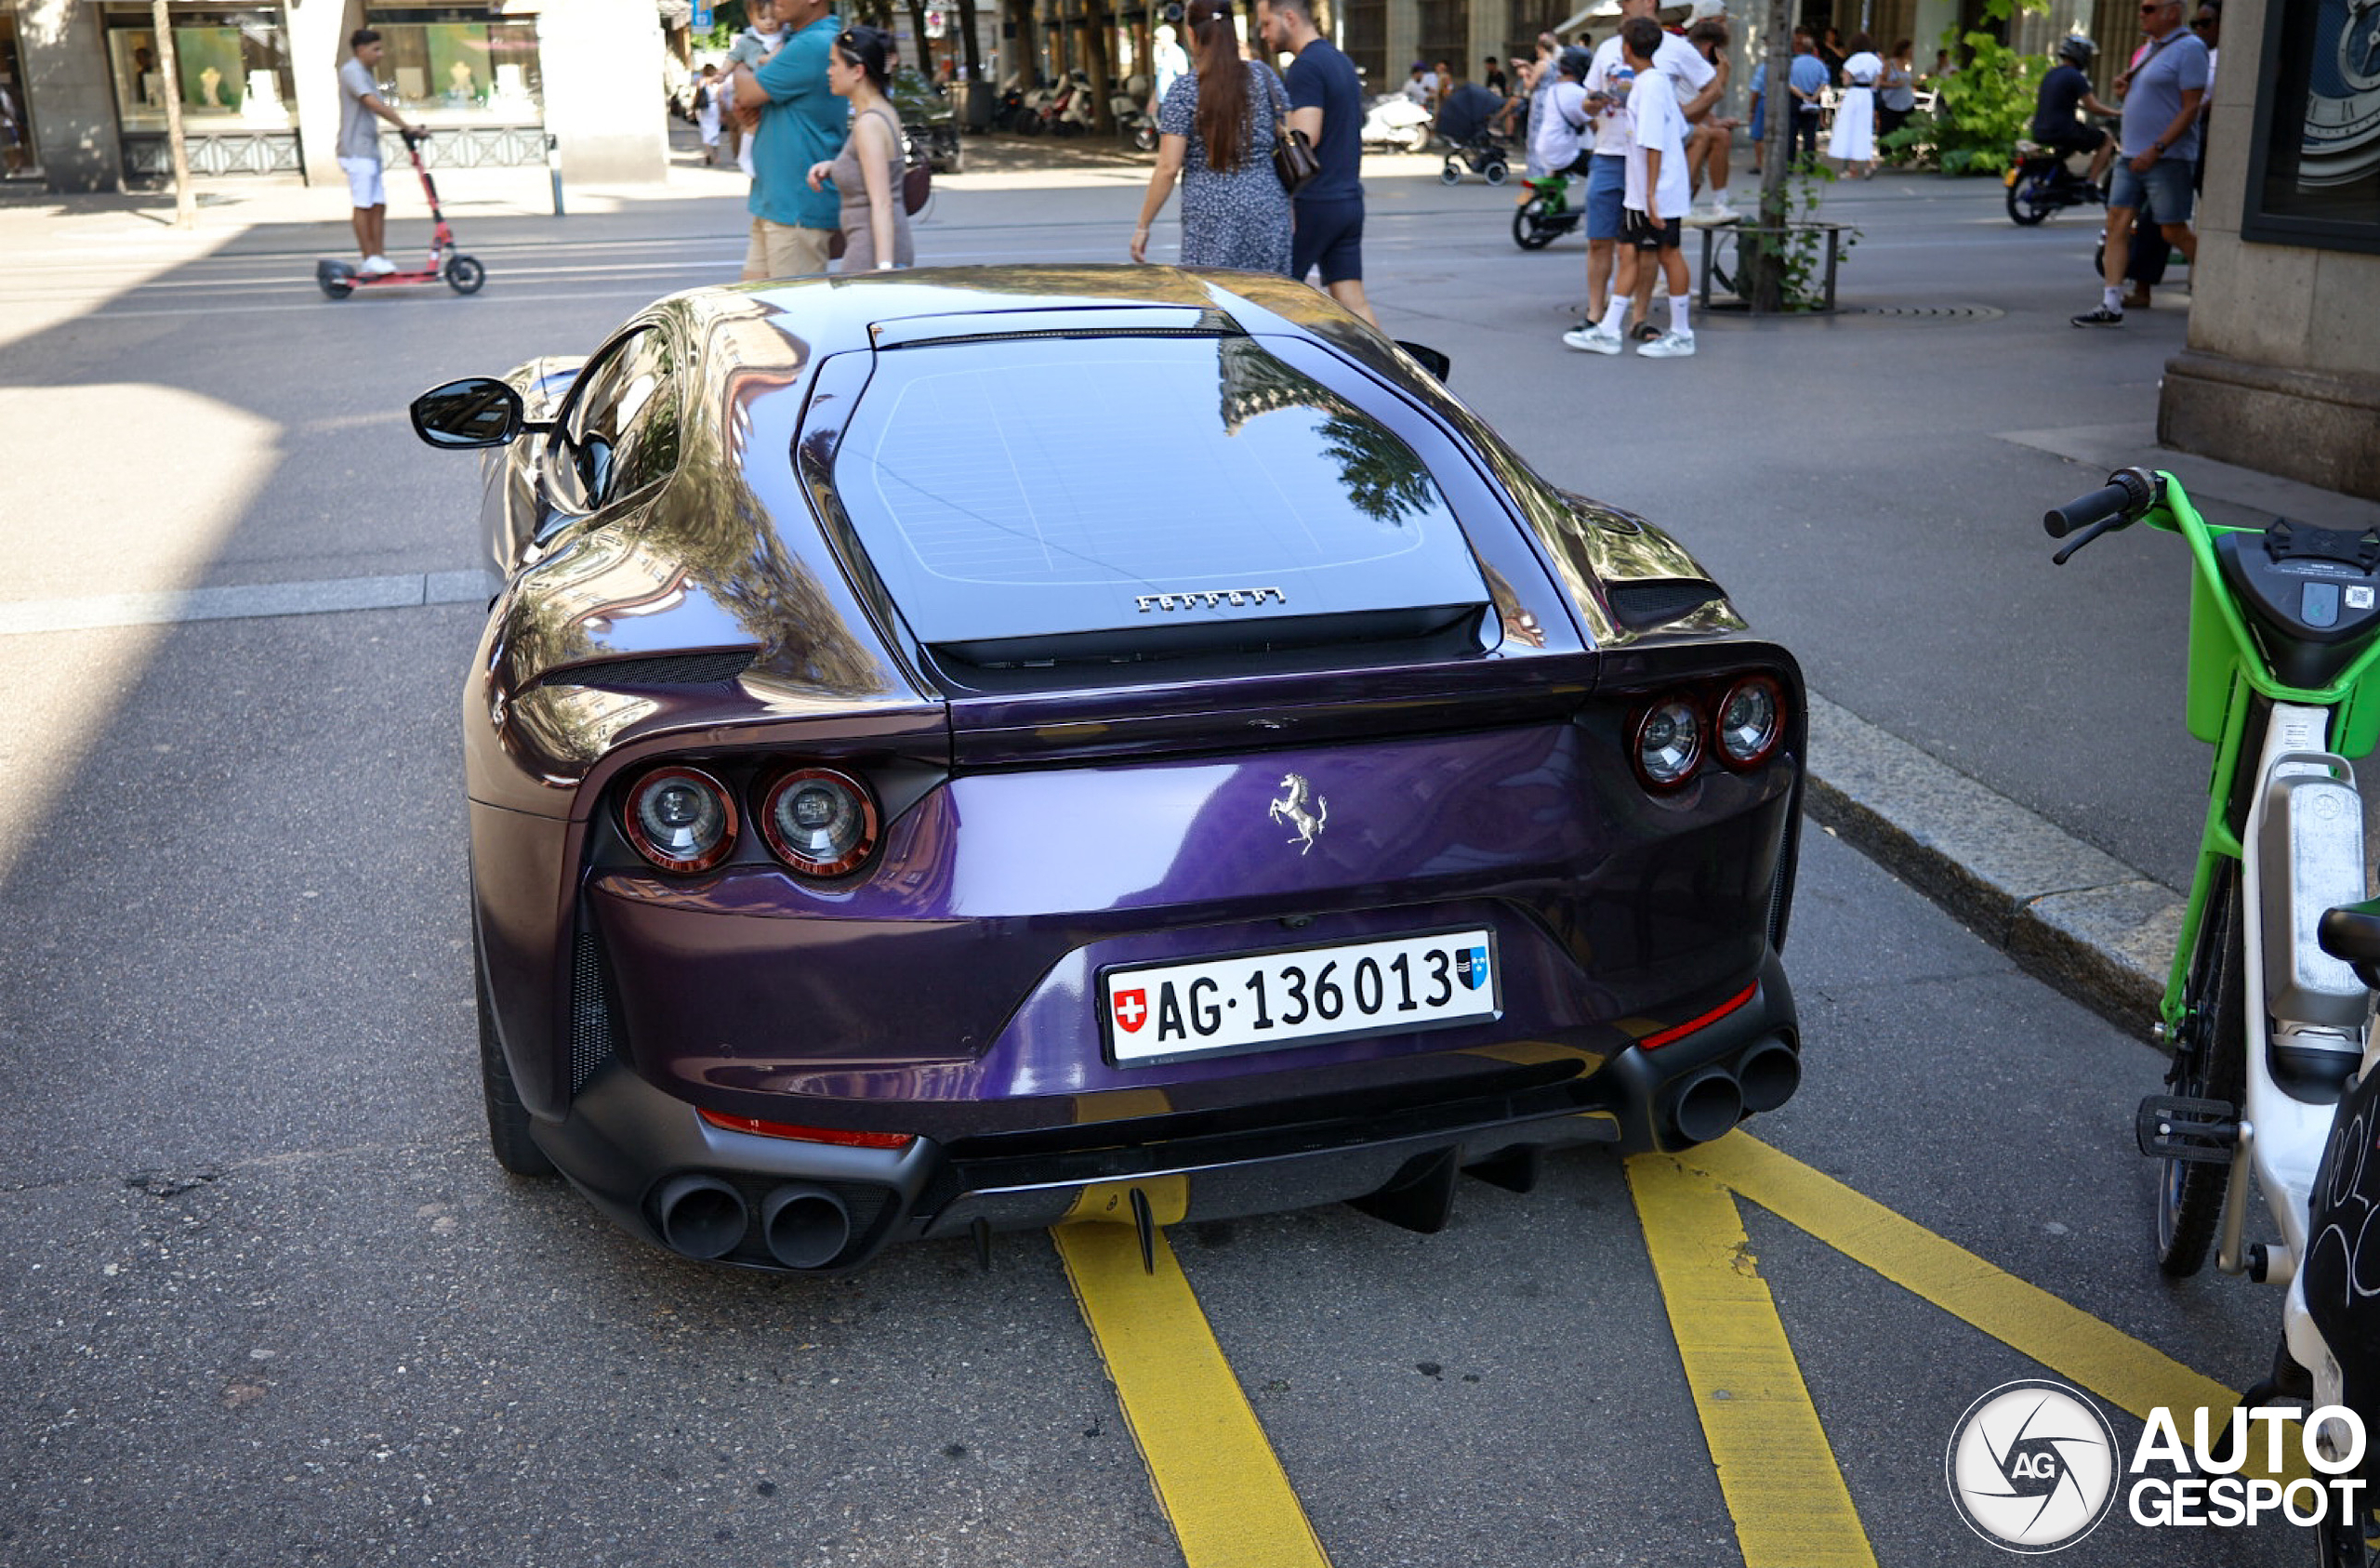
<point>1656,195</point>
<point>1697,85</point>
<point>359,112</point>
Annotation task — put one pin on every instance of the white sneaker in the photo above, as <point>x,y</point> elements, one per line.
<point>1671,344</point>
<point>1595,340</point>
<point>1721,212</point>
<point>377,267</point>
<point>1700,217</point>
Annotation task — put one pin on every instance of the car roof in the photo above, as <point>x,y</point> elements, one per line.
<point>810,317</point>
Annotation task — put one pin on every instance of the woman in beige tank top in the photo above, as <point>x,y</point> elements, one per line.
<point>868,171</point>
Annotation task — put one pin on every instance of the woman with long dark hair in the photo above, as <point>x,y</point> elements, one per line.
<point>1215,134</point>
<point>868,171</point>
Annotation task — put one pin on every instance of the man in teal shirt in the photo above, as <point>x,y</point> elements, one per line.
<point>801,122</point>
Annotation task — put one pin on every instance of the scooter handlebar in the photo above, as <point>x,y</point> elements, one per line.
<point>2127,493</point>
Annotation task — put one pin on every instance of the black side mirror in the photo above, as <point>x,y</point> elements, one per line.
<point>476,411</point>
<point>1432,361</point>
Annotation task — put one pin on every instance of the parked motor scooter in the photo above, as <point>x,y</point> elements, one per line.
<point>1396,122</point>
<point>1130,109</point>
<point>1074,113</point>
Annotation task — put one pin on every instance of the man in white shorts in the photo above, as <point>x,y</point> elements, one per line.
<point>358,148</point>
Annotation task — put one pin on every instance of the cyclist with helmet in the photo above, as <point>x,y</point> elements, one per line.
<point>2064,91</point>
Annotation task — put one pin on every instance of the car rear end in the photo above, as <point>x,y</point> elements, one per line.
<point>1303,833</point>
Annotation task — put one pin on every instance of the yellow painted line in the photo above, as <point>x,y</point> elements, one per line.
<point>2068,1341</point>
<point>1779,1478</point>
<point>1215,1473</point>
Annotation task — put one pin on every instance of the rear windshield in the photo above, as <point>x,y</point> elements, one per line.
<point>1037,488</point>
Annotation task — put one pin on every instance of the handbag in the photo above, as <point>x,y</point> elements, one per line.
<point>1293,157</point>
<point>916,184</point>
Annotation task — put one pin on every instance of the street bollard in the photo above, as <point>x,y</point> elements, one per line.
<point>553,168</point>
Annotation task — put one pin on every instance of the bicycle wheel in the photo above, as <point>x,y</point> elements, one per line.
<point>1725,264</point>
<point>2210,1062</point>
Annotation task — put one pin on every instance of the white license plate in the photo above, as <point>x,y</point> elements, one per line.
<point>1258,1001</point>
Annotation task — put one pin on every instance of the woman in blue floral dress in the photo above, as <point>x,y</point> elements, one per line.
<point>1215,134</point>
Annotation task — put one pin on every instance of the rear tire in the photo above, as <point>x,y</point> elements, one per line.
<point>507,1119</point>
<point>464,274</point>
<point>1420,140</point>
<point>2210,1062</point>
<point>2029,201</point>
<point>1529,231</point>
<point>1498,172</point>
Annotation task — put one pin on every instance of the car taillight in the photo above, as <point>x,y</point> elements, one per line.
<point>681,818</point>
<point>1668,742</point>
<point>819,821</point>
<point>809,1135</point>
<point>1751,720</point>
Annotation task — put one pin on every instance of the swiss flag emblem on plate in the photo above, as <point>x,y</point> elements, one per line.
<point>1132,1010</point>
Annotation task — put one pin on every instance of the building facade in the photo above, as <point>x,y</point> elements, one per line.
<point>257,86</point>
<point>2283,371</point>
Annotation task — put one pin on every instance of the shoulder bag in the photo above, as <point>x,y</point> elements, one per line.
<point>1293,157</point>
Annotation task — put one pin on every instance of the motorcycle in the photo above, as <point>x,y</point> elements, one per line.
<point>1129,107</point>
<point>2272,1083</point>
<point>1034,110</point>
<point>1545,215</point>
<point>2045,179</point>
<point>1395,123</point>
<point>1011,106</point>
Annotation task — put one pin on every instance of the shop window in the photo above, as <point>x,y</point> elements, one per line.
<point>2314,165</point>
<point>441,69</point>
<point>232,69</point>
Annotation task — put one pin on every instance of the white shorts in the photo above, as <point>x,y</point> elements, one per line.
<point>363,181</point>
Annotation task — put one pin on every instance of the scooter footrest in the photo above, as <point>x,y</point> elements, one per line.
<point>2171,1128</point>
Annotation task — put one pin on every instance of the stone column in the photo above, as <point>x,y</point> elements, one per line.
<point>1402,28</point>
<point>1491,24</point>
<point>318,35</point>
<point>2279,375</point>
<point>602,65</point>
<point>67,94</point>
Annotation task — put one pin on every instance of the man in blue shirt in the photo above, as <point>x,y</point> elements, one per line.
<point>1806,79</point>
<point>801,122</point>
<point>1327,103</point>
<point>2161,93</point>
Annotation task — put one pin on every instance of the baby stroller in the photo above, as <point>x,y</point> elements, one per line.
<point>1463,121</point>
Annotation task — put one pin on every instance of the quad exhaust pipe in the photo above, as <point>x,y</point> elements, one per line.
<point>804,1226</point>
<point>1704,1105</point>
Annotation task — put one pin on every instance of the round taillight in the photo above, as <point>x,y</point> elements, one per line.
<point>679,819</point>
<point>1751,720</point>
<point>1669,743</point>
<point>819,821</point>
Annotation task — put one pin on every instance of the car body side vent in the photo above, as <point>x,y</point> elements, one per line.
<point>590,1011</point>
<point>1641,606</point>
<point>671,669</point>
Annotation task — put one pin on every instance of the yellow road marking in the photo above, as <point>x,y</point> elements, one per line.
<point>1215,1473</point>
<point>2069,1341</point>
<point>1790,1506</point>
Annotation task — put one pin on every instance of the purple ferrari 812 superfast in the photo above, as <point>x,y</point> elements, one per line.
<point>957,751</point>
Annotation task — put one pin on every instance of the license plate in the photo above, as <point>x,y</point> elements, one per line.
<point>1261,1001</point>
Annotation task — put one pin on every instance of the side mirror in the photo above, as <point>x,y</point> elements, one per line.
<point>1432,361</point>
<point>476,411</point>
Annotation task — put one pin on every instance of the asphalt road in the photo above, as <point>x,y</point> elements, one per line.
<point>265,1299</point>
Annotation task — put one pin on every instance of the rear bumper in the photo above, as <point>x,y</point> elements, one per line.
<point>635,1149</point>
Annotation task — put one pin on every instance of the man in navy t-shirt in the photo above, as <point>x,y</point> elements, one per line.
<point>1327,103</point>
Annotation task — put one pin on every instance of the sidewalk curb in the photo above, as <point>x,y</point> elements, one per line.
<point>2071,915</point>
